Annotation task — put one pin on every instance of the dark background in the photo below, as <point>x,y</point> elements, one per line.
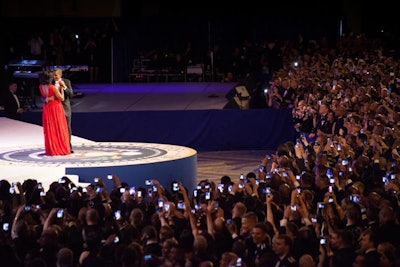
<point>169,25</point>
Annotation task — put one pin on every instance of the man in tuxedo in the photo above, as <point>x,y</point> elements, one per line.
<point>282,245</point>
<point>368,244</point>
<point>288,93</point>
<point>12,105</point>
<point>68,93</point>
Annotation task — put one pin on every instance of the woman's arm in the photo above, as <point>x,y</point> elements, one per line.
<point>59,92</point>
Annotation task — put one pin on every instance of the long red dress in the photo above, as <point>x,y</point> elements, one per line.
<point>56,137</point>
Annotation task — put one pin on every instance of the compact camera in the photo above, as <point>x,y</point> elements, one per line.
<point>355,199</point>
<point>221,187</point>
<point>147,257</point>
<point>117,215</point>
<point>175,186</point>
<point>6,227</point>
<point>160,203</point>
<point>181,205</point>
<point>60,213</point>
<point>132,190</point>
<point>166,206</point>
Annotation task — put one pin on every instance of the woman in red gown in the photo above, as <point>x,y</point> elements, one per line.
<point>56,138</point>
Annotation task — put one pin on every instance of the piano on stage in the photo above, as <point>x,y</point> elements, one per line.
<point>26,69</point>
<point>70,68</point>
<point>30,69</point>
<point>26,72</point>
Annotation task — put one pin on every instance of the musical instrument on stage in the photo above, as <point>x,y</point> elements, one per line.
<point>26,64</point>
<point>36,66</point>
<point>26,74</point>
<point>71,68</point>
<point>26,69</point>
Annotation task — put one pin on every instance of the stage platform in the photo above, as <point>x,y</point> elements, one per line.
<point>185,114</point>
<point>148,97</point>
<point>22,157</point>
<point>151,119</point>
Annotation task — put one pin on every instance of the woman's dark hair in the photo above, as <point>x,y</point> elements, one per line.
<point>5,190</point>
<point>45,77</point>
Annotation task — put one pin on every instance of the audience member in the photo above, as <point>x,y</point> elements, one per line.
<point>338,184</point>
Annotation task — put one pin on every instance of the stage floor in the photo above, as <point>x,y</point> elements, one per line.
<point>22,157</point>
<point>211,165</point>
<point>147,96</point>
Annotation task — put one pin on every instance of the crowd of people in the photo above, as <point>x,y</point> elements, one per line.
<point>328,198</point>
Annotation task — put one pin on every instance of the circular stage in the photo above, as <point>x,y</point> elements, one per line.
<point>133,163</point>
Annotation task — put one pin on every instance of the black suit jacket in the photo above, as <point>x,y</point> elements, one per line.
<point>372,258</point>
<point>68,93</point>
<point>11,106</point>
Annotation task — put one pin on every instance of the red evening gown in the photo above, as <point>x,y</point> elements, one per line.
<point>56,137</point>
